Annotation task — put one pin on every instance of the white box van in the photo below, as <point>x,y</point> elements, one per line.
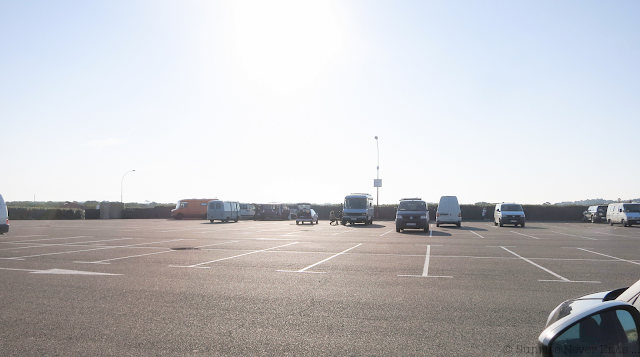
<point>4,217</point>
<point>508,213</point>
<point>247,211</point>
<point>448,211</point>
<point>626,214</point>
<point>223,211</point>
<point>358,208</point>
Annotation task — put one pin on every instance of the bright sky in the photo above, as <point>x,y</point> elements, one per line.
<point>264,101</point>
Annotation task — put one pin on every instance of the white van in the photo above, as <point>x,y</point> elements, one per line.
<point>508,213</point>
<point>247,211</point>
<point>448,211</point>
<point>223,211</point>
<point>4,217</point>
<point>626,214</point>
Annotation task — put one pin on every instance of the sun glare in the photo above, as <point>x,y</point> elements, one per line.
<point>285,44</point>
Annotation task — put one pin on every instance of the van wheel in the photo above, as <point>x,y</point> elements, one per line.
<point>236,220</point>
<point>624,224</point>
<point>459,224</point>
<point>495,223</point>
<point>426,229</point>
<point>610,222</point>
<point>211,220</point>
<point>437,224</point>
<point>397,229</point>
<point>593,219</point>
<point>179,216</point>
<point>500,223</point>
<point>522,224</point>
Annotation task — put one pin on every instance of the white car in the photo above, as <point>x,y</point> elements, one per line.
<point>601,324</point>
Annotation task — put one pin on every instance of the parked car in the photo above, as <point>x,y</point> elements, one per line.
<point>595,214</point>
<point>626,214</point>
<point>306,214</point>
<point>224,211</point>
<point>191,208</point>
<point>600,324</point>
<point>412,214</point>
<point>508,213</point>
<point>4,217</point>
<point>448,211</point>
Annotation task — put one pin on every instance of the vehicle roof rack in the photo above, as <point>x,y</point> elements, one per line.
<point>411,199</point>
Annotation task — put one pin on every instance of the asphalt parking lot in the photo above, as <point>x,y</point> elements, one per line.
<point>194,288</point>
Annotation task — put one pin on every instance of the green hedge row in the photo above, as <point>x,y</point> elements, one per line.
<point>20,213</point>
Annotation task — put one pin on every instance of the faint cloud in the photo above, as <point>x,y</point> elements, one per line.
<point>105,142</point>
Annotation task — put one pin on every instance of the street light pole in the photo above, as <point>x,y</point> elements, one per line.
<point>378,178</point>
<point>121,181</point>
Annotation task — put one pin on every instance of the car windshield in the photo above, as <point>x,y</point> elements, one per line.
<point>511,208</point>
<point>412,206</point>
<point>632,208</point>
<point>357,203</point>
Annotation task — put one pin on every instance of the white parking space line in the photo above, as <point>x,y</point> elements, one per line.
<point>304,270</point>
<point>34,235</point>
<point>610,256</point>
<point>573,235</point>
<point>425,269</point>
<point>235,256</point>
<point>476,234</point>
<point>88,250</point>
<point>78,244</point>
<point>106,261</point>
<point>47,239</point>
<point>548,225</point>
<point>616,235</point>
<point>526,235</point>
<point>562,279</point>
<point>386,232</point>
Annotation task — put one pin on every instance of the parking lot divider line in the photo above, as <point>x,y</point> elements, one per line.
<point>235,256</point>
<point>88,250</point>
<point>39,240</point>
<point>537,265</point>
<point>391,230</point>
<point>525,235</point>
<point>331,257</point>
<point>209,245</point>
<point>573,235</point>
<point>610,256</point>
<point>78,244</point>
<point>131,256</point>
<point>476,234</point>
<point>425,270</point>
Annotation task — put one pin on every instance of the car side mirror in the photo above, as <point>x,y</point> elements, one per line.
<point>498,210</point>
<point>610,328</point>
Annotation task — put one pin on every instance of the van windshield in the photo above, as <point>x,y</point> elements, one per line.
<point>511,208</point>
<point>412,206</point>
<point>357,203</point>
<point>632,208</point>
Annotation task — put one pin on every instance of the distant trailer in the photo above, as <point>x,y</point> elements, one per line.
<point>191,208</point>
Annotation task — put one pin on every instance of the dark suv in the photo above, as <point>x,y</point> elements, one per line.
<point>412,213</point>
<point>595,214</point>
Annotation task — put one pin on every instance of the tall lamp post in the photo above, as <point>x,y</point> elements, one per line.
<point>377,183</point>
<point>121,181</point>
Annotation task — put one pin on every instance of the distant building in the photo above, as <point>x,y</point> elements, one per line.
<point>72,205</point>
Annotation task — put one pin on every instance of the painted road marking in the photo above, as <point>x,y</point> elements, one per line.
<point>610,256</point>
<point>573,235</point>
<point>304,270</point>
<point>425,269</point>
<point>476,234</point>
<point>525,235</point>
<point>562,279</point>
<point>235,256</point>
<point>88,250</point>
<point>40,240</point>
<point>386,232</point>
<point>59,271</point>
<point>40,245</point>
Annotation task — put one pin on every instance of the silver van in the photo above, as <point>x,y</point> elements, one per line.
<point>626,214</point>
<point>448,211</point>
<point>358,208</point>
<point>4,217</point>
<point>508,213</point>
<point>224,211</point>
